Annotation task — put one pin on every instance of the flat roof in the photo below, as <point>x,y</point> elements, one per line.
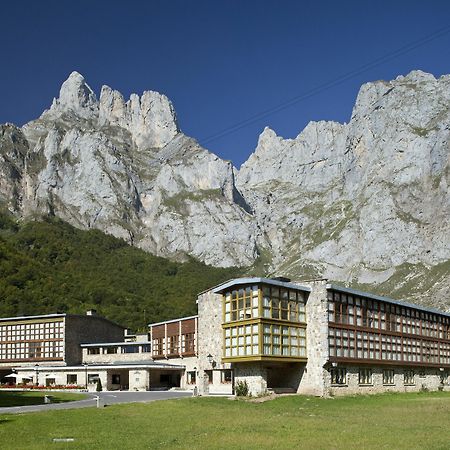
<point>256,280</point>
<point>172,320</point>
<point>116,365</point>
<point>41,316</point>
<point>338,288</point>
<point>56,315</point>
<point>113,344</point>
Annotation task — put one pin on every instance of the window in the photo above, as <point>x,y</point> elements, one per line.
<point>339,376</point>
<point>365,377</point>
<point>408,377</point>
<point>94,351</point>
<point>35,350</point>
<point>158,346</point>
<point>241,304</point>
<point>388,376</point>
<point>188,343</point>
<point>226,376</point>
<point>241,340</point>
<point>130,349</point>
<point>146,348</point>
<point>280,340</point>
<point>191,378</point>
<point>111,350</point>
<point>173,344</point>
<point>93,378</point>
<point>209,374</point>
<point>115,378</point>
<point>72,378</point>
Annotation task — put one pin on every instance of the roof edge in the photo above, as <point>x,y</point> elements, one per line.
<point>172,320</point>
<point>338,288</point>
<point>256,280</point>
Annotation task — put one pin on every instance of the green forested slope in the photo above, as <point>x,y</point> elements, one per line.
<point>49,266</point>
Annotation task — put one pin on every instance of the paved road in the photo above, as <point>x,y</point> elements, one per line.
<point>106,398</point>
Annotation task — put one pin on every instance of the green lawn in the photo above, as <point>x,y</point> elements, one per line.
<point>389,421</point>
<point>20,398</point>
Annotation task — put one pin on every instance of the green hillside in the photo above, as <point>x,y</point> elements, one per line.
<point>49,266</point>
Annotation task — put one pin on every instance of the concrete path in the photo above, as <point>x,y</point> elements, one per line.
<point>106,398</point>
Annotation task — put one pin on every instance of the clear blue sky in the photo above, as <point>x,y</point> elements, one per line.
<point>220,62</point>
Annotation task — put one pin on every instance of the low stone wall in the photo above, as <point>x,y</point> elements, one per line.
<point>255,374</point>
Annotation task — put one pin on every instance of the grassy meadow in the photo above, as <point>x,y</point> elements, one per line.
<point>388,421</point>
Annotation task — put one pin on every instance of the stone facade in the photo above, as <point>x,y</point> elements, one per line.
<point>86,329</point>
<point>423,379</point>
<point>210,342</point>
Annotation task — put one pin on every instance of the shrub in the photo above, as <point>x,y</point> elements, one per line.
<point>241,388</point>
<point>99,385</point>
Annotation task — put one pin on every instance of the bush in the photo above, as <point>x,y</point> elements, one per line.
<point>99,385</point>
<point>241,388</point>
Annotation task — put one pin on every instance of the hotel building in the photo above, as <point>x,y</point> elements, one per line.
<point>311,337</point>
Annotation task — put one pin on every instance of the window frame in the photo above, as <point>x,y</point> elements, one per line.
<point>339,376</point>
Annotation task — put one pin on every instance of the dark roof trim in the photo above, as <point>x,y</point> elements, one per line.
<point>337,288</point>
<point>114,344</point>
<point>94,366</point>
<point>240,281</point>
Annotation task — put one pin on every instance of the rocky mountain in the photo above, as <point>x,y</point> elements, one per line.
<point>365,202</point>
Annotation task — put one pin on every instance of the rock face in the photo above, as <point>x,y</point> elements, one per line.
<point>365,202</point>
<point>125,168</point>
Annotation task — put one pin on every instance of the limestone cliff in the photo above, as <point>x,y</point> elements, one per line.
<point>365,202</point>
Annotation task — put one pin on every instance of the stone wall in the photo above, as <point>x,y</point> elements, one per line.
<point>86,330</point>
<point>254,373</point>
<point>139,380</point>
<point>210,342</point>
<point>424,379</point>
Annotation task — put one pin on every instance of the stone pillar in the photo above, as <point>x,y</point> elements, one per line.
<point>315,377</point>
<point>210,337</point>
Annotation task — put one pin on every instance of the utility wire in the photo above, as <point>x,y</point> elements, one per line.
<point>328,85</point>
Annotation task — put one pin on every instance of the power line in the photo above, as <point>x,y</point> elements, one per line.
<point>328,85</point>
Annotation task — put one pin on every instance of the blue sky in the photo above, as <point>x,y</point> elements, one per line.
<point>220,62</point>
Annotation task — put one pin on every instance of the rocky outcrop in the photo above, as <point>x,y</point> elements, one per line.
<point>365,202</point>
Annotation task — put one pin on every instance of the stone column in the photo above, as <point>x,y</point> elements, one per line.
<point>314,379</point>
<point>210,336</point>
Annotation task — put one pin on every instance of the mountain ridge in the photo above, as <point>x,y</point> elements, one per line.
<point>356,202</point>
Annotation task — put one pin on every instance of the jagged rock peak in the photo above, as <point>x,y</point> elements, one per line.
<point>416,76</point>
<point>151,118</point>
<point>76,96</point>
